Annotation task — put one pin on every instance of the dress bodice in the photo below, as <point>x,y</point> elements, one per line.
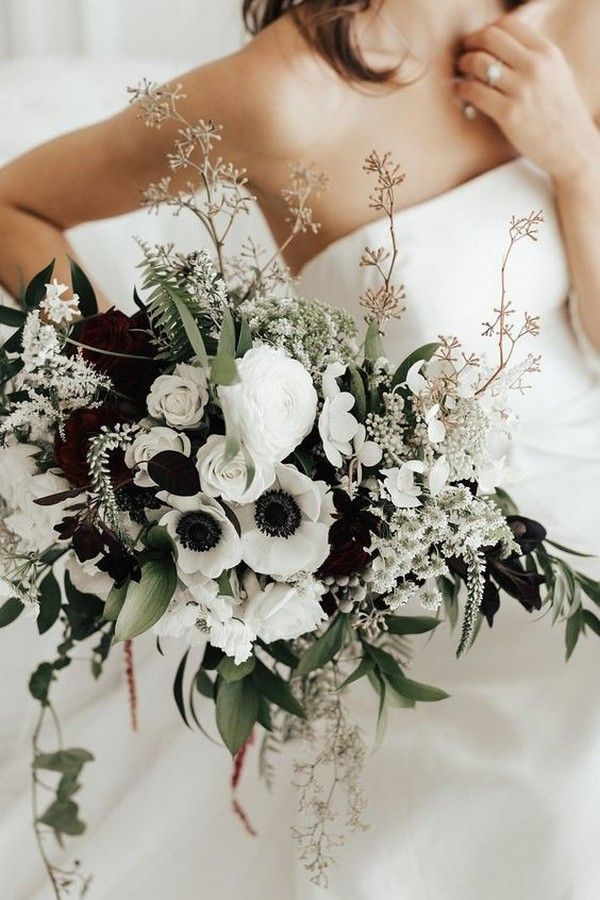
<point>450,257</point>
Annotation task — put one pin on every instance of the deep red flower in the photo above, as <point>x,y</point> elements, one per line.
<point>72,449</point>
<point>115,331</point>
<point>349,536</point>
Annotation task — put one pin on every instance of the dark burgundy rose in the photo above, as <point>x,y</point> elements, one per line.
<point>115,331</point>
<point>71,451</point>
<point>87,542</point>
<point>349,536</point>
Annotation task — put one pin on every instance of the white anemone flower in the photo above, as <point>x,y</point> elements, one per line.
<point>286,529</point>
<point>207,542</point>
<point>337,425</point>
<point>436,430</point>
<point>367,453</point>
<point>399,484</point>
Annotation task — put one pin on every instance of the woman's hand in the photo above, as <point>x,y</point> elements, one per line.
<point>535,100</point>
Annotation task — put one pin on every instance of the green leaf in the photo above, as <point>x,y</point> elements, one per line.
<point>572,632</point>
<point>280,651</point>
<point>50,603</point>
<point>192,331</point>
<point>589,587</point>
<point>450,590</point>
<point>13,344</point>
<point>373,344</point>
<point>10,611</point>
<point>39,683</point>
<point>357,387</point>
<point>178,687</point>
<point>68,762</point>
<point>67,787</point>
<point>226,345</point>
<point>223,369</point>
<point>12,318</point>
<point>36,289</point>
<point>325,648</point>
<point>425,353</point>
<point>237,711</point>
<point>264,714</point>
<point>229,671</point>
<point>592,621</point>
<point>365,666</point>
<point>88,304</point>
<point>568,550</point>
<point>204,685</point>
<point>276,689</point>
<point>245,338</point>
<point>212,657</point>
<point>158,538</point>
<point>146,600</point>
<point>383,660</point>
<point>114,602</point>
<point>233,439</point>
<point>63,817</point>
<point>411,624</point>
<point>84,611</point>
<point>382,715</point>
<point>413,690</point>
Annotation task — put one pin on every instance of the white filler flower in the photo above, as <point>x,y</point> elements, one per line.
<point>274,404</point>
<point>207,543</point>
<point>229,479</point>
<point>58,309</point>
<point>337,425</point>
<point>399,484</point>
<point>179,398</point>
<point>148,444</point>
<point>286,530</point>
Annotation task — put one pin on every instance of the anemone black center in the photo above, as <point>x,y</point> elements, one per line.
<point>198,531</point>
<point>277,514</point>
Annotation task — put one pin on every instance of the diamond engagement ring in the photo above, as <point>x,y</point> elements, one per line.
<point>494,72</point>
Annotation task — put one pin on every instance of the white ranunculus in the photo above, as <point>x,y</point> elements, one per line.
<point>179,398</point>
<point>286,529</point>
<point>206,541</point>
<point>399,484</point>
<point>337,425</point>
<point>228,480</point>
<point>32,523</point>
<point>17,466</point>
<point>273,405</point>
<point>234,637</point>
<point>147,444</point>
<point>283,611</point>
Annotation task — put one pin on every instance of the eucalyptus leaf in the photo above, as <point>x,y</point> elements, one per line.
<point>573,632</point>
<point>50,601</point>
<point>10,610</point>
<point>226,345</point>
<point>276,689</point>
<point>422,353</point>
<point>413,690</point>
<point>373,343</point>
<point>88,304</point>
<point>357,387</point>
<point>325,647</point>
<point>192,331</point>
<point>592,621</point>
<point>245,338</point>
<point>229,671</point>
<point>237,710</point>
<point>223,369</point>
<point>411,624</point>
<point>146,600</point>
<point>365,666</point>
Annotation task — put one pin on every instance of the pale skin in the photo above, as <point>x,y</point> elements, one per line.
<point>279,103</point>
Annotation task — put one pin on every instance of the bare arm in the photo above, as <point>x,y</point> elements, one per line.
<point>99,172</point>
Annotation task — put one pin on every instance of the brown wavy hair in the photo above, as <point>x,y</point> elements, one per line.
<point>327,25</point>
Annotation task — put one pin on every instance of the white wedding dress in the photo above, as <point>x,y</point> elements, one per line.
<point>493,794</point>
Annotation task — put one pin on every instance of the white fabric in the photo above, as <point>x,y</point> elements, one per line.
<point>492,794</point>
<point>117,29</point>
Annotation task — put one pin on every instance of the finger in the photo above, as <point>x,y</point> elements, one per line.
<point>523,33</point>
<point>477,63</point>
<point>499,43</point>
<point>484,98</point>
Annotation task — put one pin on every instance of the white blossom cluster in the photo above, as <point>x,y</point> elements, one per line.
<point>55,384</point>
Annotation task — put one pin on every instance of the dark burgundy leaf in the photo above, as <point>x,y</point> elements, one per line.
<point>528,533</point>
<point>175,473</point>
<point>87,542</point>
<point>52,499</point>
<point>513,578</point>
<point>490,603</point>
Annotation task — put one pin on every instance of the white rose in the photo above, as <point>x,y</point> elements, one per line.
<point>147,444</point>
<point>179,398</point>
<point>283,611</point>
<point>34,524</point>
<point>17,466</point>
<point>229,479</point>
<point>274,403</point>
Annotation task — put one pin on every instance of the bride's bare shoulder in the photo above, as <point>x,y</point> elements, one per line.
<point>575,24</point>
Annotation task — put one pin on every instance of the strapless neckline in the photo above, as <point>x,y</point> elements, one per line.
<point>415,209</point>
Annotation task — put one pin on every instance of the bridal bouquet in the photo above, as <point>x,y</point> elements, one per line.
<point>233,467</point>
